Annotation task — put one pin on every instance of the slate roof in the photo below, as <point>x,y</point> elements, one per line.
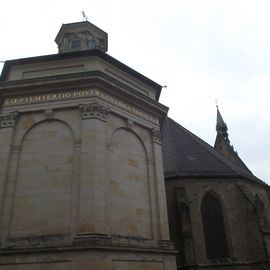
<point>186,155</point>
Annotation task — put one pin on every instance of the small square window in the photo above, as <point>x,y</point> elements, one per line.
<point>75,44</point>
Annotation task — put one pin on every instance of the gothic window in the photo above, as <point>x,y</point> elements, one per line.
<point>214,229</point>
<point>260,211</point>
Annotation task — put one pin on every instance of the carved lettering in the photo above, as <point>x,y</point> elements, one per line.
<point>15,101</point>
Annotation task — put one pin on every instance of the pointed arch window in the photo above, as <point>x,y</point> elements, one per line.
<point>214,229</point>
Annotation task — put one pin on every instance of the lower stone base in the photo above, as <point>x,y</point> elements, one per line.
<point>86,260</point>
<point>247,265</point>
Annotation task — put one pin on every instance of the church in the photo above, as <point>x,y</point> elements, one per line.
<point>95,175</point>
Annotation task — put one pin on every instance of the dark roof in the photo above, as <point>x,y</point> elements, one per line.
<point>95,52</point>
<point>186,155</point>
<point>220,122</point>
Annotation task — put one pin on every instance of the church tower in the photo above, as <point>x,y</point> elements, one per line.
<point>81,172</point>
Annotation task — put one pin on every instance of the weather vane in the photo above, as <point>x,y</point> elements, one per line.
<point>84,16</point>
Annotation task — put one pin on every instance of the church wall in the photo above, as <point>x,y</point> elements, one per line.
<point>113,162</point>
<point>87,259</point>
<point>84,64</point>
<point>39,185</point>
<point>81,170</point>
<point>83,173</point>
<point>242,234</point>
<point>44,173</point>
<point>129,183</point>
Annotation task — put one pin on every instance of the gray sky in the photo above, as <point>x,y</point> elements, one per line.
<point>202,50</point>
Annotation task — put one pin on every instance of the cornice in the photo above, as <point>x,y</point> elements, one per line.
<point>84,79</point>
<point>73,55</point>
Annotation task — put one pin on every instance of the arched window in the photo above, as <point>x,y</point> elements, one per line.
<point>214,229</point>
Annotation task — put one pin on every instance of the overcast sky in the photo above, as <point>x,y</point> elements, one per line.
<point>202,50</point>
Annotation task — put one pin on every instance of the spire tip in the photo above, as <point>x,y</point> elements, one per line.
<point>216,101</point>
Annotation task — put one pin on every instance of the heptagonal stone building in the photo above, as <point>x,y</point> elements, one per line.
<point>95,175</point>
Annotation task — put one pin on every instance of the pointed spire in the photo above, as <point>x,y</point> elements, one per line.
<point>223,145</point>
<point>221,126</point>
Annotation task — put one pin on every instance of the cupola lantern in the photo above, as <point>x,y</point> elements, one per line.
<point>81,36</point>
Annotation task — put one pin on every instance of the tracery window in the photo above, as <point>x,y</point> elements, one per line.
<point>214,229</point>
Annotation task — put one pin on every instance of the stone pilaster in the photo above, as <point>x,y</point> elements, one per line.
<point>160,185</point>
<point>7,124</point>
<point>156,137</point>
<point>92,201</point>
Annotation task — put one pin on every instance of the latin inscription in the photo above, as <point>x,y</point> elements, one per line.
<point>23,100</point>
<point>47,97</point>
